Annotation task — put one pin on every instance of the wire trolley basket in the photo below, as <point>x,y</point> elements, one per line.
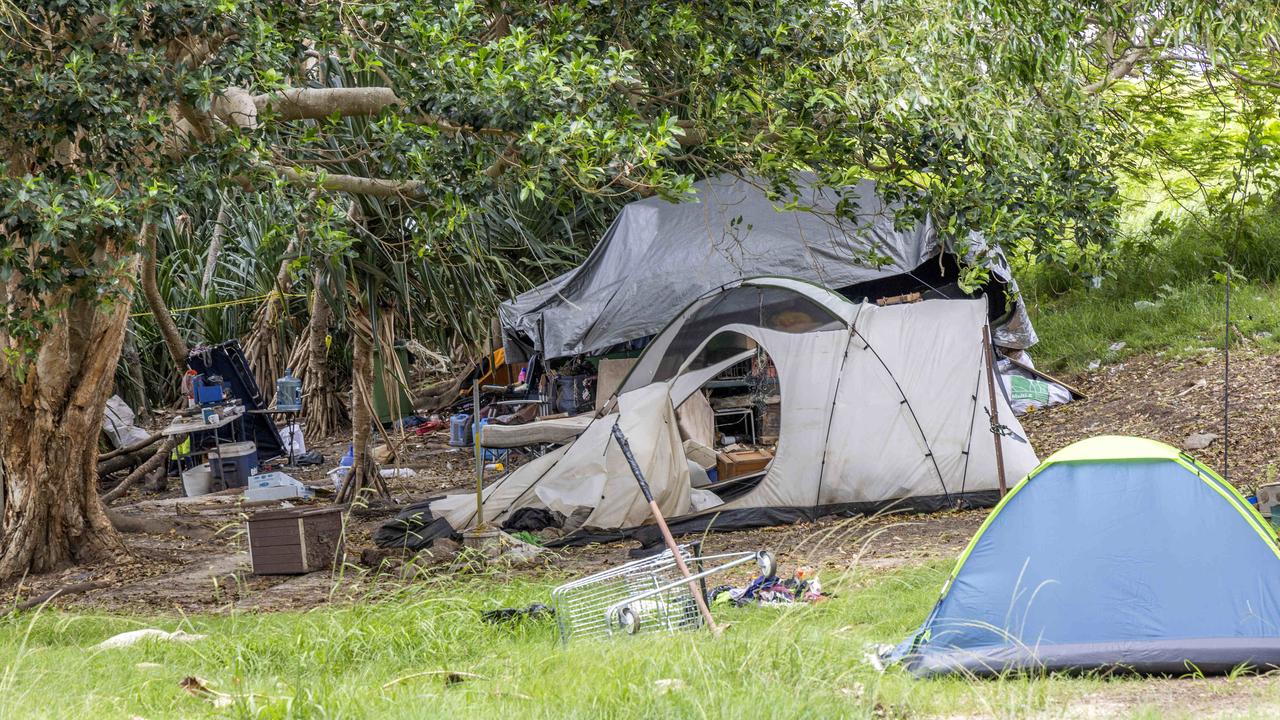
<point>643,596</point>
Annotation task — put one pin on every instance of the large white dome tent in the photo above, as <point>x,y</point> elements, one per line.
<point>880,406</point>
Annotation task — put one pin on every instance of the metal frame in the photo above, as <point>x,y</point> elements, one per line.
<point>641,597</point>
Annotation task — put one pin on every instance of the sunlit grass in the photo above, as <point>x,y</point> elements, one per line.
<point>1082,326</point>
<point>391,658</point>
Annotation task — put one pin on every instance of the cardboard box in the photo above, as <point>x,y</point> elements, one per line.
<point>731,465</point>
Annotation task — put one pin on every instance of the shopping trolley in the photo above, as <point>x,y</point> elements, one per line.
<point>644,596</point>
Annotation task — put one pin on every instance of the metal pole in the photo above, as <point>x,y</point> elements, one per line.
<point>1226,384</point>
<point>670,540</point>
<point>995,412</point>
<point>475,440</point>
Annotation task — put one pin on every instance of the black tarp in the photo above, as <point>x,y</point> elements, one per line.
<point>228,361</point>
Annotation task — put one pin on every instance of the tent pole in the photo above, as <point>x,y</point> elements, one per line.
<point>989,352</point>
<point>475,420</point>
<point>1226,384</point>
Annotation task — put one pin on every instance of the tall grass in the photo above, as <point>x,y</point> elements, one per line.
<point>1160,290</point>
<point>393,659</point>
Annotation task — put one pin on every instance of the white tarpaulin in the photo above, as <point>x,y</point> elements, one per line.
<point>592,475</point>
<point>878,405</point>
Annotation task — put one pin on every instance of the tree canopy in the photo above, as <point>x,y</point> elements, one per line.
<point>444,153</point>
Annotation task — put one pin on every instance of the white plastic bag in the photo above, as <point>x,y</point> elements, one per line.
<point>294,443</point>
<point>118,423</point>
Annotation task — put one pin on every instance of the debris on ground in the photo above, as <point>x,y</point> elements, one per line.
<point>1199,441</point>
<point>199,687</point>
<point>133,637</point>
<point>506,615</point>
<point>804,586</point>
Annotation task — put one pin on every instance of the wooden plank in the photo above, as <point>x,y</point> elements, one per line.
<point>277,552</point>
<point>898,299</point>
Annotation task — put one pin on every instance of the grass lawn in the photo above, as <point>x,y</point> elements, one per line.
<point>382,660</point>
<point>1080,327</point>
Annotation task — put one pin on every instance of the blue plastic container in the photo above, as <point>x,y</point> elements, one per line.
<point>460,430</point>
<point>206,392</point>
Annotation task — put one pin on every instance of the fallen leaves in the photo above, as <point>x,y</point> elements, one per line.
<point>199,687</point>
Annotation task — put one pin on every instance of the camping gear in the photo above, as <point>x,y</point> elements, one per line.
<point>1268,495</point>
<point>227,361</point>
<point>197,480</point>
<point>658,256</point>
<point>234,463</point>
<point>275,486</point>
<point>413,528</point>
<point>295,442</point>
<point>699,596</point>
<point>295,541</point>
<point>1116,552</point>
<point>881,407</point>
<point>643,596</point>
<point>491,454</point>
<point>118,422</point>
<point>555,431</point>
<point>207,389</point>
<point>288,392</point>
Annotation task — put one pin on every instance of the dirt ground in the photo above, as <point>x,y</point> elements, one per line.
<point>188,554</point>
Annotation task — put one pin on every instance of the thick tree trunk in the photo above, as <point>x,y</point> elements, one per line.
<point>50,416</point>
<point>164,320</point>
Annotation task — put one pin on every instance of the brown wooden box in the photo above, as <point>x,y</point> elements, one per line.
<point>730,465</point>
<point>295,541</point>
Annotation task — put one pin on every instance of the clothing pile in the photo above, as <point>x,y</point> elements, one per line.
<point>804,586</point>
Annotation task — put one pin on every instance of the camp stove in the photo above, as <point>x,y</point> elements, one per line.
<point>647,596</point>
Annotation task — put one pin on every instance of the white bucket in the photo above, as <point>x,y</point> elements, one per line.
<point>196,481</point>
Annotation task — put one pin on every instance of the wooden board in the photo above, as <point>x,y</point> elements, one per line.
<point>295,541</point>
<point>730,465</point>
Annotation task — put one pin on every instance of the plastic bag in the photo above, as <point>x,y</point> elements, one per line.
<point>294,443</point>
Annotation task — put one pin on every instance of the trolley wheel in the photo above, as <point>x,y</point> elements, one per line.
<point>768,565</point>
<point>629,620</point>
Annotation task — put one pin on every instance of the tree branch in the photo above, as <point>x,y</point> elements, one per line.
<point>320,103</point>
<point>356,185</point>
<point>1118,69</point>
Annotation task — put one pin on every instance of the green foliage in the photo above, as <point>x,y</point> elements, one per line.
<point>514,131</point>
<point>1175,272</point>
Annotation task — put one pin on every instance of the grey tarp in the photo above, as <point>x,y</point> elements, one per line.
<point>659,256</point>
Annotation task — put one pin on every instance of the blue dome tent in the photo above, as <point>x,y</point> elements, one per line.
<point>1115,553</point>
